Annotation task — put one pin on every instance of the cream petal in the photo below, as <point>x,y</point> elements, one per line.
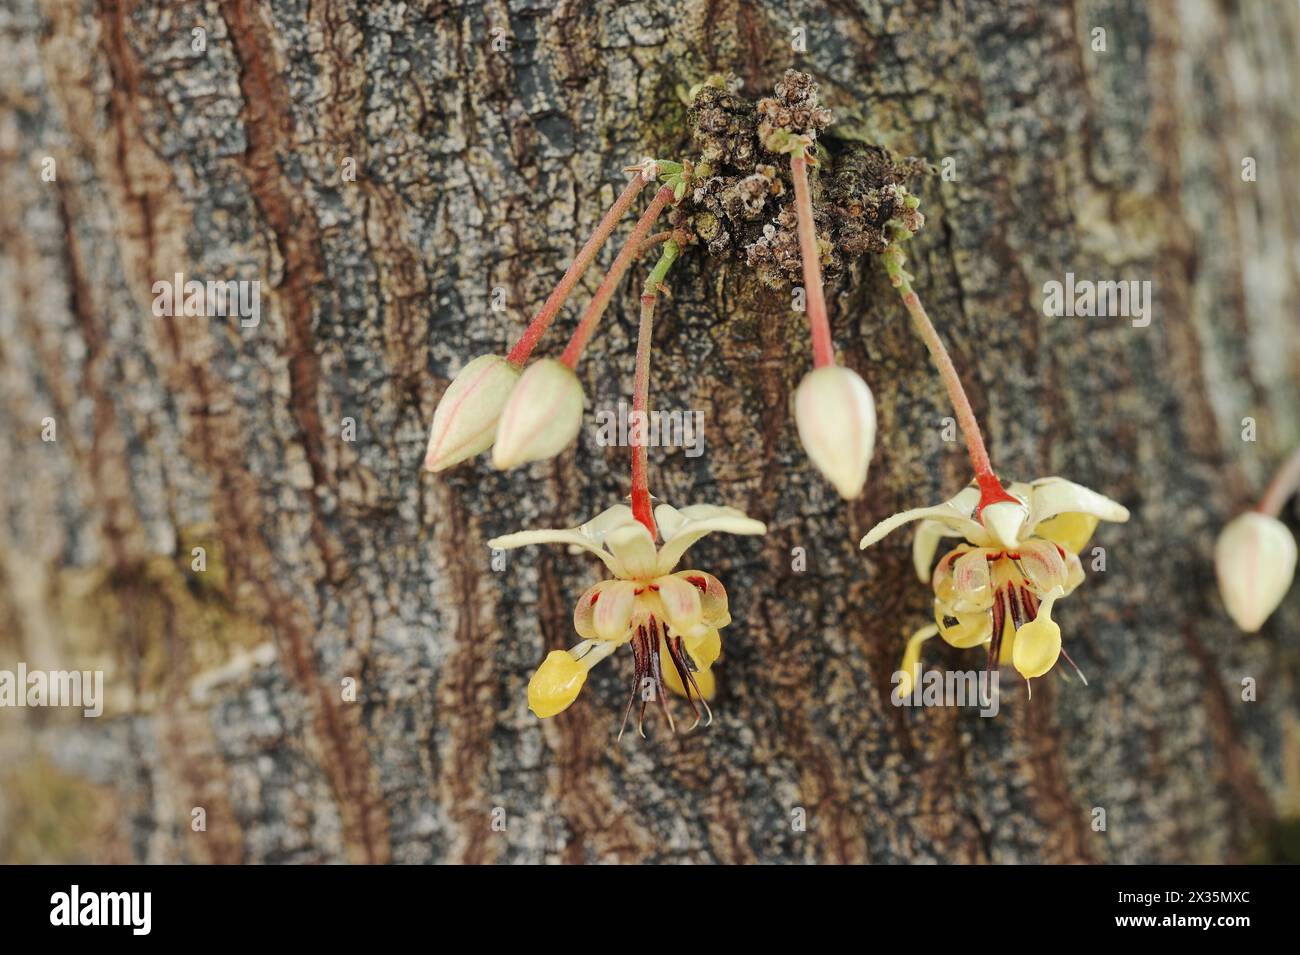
<point>669,520</point>
<point>954,515</point>
<point>713,597</point>
<point>924,543</point>
<point>1044,566</point>
<point>557,536</point>
<point>634,551</point>
<point>584,611</point>
<point>972,587</point>
<point>729,519</point>
<point>910,666</point>
<point>703,519</point>
<point>604,522</point>
<point>612,613</point>
<point>963,630</point>
<point>1020,490</point>
<point>704,648</point>
<point>681,603</point>
<point>1053,495</point>
<point>1005,521</point>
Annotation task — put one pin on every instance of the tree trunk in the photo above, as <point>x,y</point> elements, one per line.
<point>331,557</point>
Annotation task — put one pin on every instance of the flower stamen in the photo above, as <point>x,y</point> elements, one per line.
<point>1074,666</point>
<point>647,678</point>
<point>686,668</point>
<point>999,624</point>
<point>657,674</point>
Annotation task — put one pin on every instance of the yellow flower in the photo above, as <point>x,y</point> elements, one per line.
<point>670,618</point>
<point>1020,556</point>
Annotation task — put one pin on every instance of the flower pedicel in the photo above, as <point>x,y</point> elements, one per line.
<point>466,421</point>
<point>1022,543</point>
<point>833,407</point>
<point>670,619</point>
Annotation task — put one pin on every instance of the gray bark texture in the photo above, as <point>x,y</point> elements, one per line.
<point>479,168</point>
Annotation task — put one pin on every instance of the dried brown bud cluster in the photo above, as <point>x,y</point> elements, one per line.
<point>794,110</point>
<point>743,209</point>
<point>866,192</point>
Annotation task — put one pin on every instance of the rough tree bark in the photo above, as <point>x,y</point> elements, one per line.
<point>477,169</point>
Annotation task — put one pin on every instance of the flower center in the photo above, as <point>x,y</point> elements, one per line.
<point>648,674</point>
<point>1015,600</point>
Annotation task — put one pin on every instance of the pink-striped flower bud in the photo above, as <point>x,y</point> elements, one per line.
<point>541,417</point>
<point>836,416</point>
<point>1255,557</point>
<point>465,421</point>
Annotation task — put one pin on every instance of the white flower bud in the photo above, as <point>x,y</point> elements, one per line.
<point>465,421</point>
<point>541,417</point>
<point>836,417</point>
<point>1255,557</point>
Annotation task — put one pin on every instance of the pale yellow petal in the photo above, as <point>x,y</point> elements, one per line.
<point>1071,530</point>
<point>634,551</point>
<point>705,648</point>
<point>963,630</point>
<point>1038,642</point>
<point>612,613</point>
<point>556,684</point>
<point>570,536</point>
<point>681,603</point>
<point>954,515</point>
<point>910,667</point>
